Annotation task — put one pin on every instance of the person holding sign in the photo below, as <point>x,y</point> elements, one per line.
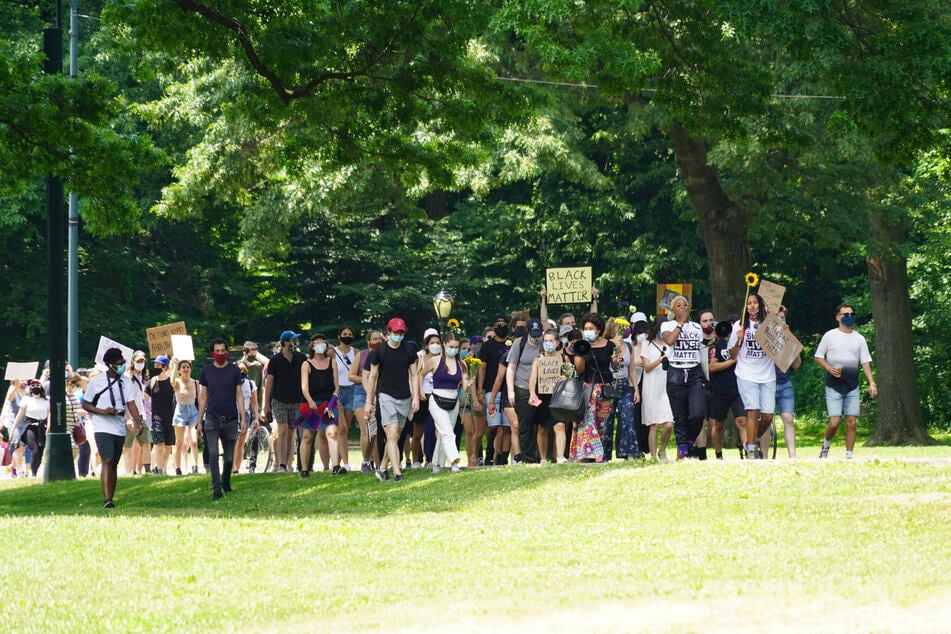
<point>109,397</point>
<point>841,352</point>
<point>686,375</point>
<point>755,372</point>
<point>546,371</point>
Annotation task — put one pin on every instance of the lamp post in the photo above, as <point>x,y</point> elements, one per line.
<point>442,305</point>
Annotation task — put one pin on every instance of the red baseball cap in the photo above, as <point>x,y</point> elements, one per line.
<point>396,324</point>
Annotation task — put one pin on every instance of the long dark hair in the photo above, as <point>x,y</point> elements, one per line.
<point>655,327</point>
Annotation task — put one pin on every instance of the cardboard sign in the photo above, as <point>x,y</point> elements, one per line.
<point>666,293</point>
<point>21,371</point>
<point>160,338</point>
<point>778,342</point>
<point>105,343</point>
<point>772,294</point>
<point>549,371</point>
<point>182,347</point>
<point>569,285</point>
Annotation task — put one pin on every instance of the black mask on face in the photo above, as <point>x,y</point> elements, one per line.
<point>501,331</point>
<point>346,340</point>
<point>521,331</point>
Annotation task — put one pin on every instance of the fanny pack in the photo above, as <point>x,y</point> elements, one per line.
<point>442,402</point>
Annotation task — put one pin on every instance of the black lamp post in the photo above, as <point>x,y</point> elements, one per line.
<point>442,305</point>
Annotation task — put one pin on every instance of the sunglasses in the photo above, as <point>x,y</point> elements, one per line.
<point>847,314</point>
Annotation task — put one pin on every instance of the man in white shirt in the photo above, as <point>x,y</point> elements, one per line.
<point>841,352</point>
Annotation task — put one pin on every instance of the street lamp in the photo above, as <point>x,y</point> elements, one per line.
<point>442,304</point>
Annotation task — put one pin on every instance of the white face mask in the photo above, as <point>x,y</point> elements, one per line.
<point>139,365</point>
<point>320,348</point>
<point>435,348</point>
<point>550,346</point>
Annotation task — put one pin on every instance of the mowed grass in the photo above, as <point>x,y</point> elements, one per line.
<point>680,547</point>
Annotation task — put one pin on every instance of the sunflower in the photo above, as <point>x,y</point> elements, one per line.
<point>452,323</point>
<point>752,279</point>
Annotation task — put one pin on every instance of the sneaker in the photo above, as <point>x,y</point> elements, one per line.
<point>282,469</point>
<point>398,478</point>
<point>226,488</point>
<point>108,504</point>
<point>366,468</point>
<point>409,464</point>
<point>751,455</point>
<point>416,465</point>
<point>217,495</point>
<point>517,459</point>
<point>178,472</point>
<point>436,469</point>
<point>251,468</point>
<point>195,469</point>
<point>381,475</point>
<point>455,468</point>
<point>824,453</point>
<point>305,474</point>
<point>562,460</point>
<point>339,471</point>
<point>347,468</point>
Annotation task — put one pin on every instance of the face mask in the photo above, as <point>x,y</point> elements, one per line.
<point>120,369</point>
<point>463,354</point>
<point>550,346</point>
<point>36,392</point>
<point>564,341</point>
<point>501,331</point>
<point>346,340</point>
<point>708,330</point>
<point>590,335</point>
<point>220,357</point>
<point>375,345</point>
<point>754,312</point>
<point>642,337</point>
<point>397,338</point>
<point>451,352</point>
<point>435,348</point>
<point>320,348</point>
<point>848,320</point>
<point>521,331</point>
<point>140,365</point>
<point>533,341</point>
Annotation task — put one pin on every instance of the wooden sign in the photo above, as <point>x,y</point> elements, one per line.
<point>160,338</point>
<point>778,342</point>
<point>182,347</point>
<point>105,343</point>
<point>569,285</point>
<point>772,294</point>
<point>21,371</point>
<point>666,293</point>
<point>549,371</point>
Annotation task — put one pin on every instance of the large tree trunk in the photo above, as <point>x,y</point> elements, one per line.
<point>724,225</point>
<point>899,419</point>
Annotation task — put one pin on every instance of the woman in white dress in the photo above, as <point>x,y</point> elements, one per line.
<point>655,406</point>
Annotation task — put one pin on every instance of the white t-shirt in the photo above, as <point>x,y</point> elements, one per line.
<point>343,365</point>
<point>103,392</point>
<point>38,408</point>
<point>247,388</point>
<point>688,350</point>
<point>752,362</point>
<point>843,349</point>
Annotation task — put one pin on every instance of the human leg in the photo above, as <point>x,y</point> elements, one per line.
<point>306,444</point>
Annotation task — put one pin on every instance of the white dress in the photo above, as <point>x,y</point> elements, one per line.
<point>655,406</point>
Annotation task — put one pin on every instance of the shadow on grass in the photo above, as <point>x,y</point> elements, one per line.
<point>276,495</point>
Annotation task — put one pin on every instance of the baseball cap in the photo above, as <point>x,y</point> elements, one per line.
<point>289,334</point>
<point>565,329</point>
<point>430,331</point>
<point>161,359</point>
<point>638,316</point>
<point>535,328</point>
<point>396,324</point>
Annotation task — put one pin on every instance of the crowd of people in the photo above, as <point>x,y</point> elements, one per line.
<point>422,404</point>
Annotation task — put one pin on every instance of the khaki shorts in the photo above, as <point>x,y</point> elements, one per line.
<point>144,437</point>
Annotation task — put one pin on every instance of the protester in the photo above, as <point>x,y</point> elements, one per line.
<point>344,355</point>
<point>282,396</point>
<point>540,394</point>
<point>368,425</point>
<point>391,380</point>
<point>185,418</point>
<point>251,398</point>
<point>841,353</point>
<point>109,399</point>
<point>725,396</point>
<point>686,375</point>
<point>448,376</point>
<point>221,414</point>
<point>628,395</point>
<point>596,367</point>
<point>655,404</point>
<point>162,402</point>
<point>755,372</point>
<point>319,381</point>
<point>518,370</point>
<point>32,422</point>
<point>137,450</point>
<point>491,354</point>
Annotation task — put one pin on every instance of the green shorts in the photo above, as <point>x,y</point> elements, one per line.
<point>144,437</point>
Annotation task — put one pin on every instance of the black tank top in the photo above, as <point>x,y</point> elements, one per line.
<point>321,382</point>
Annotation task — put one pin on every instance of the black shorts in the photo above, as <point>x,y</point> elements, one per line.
<point>721,404</point>
<point>109,446</point>
<point>163,433</point>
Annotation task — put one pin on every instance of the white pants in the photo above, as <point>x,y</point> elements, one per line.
<point>445,424</point>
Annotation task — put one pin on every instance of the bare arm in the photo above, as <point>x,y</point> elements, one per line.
<point>872,388</point>
<point>543,309</point>
<point>268,386</point>
<point>533,382</point>
<point>202,403</point>
<point>369,384</point>
<point>305,384</point>
<point>242,412</point>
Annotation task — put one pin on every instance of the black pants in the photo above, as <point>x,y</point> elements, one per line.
<point>83,454</point>
<point>688,402</point>
<point>224,430</point>
<point>35,438</point>
<point>526,426</point>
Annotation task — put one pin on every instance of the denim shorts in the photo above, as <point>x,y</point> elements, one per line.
<point>757,396</point>
<point>359,397</point>
<point>345,397</point>
<point>185,415</point>
<point>785,398</point>
<point>839,405</point>
<point>499,420</point>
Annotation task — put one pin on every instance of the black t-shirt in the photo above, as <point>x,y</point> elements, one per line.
<point>163,399</point>
<point>724,381</point>
<point>220,384</point>
<point>597,366</point>
<point>490,354</point>
<point>392,373</point>
<point>286,382</point>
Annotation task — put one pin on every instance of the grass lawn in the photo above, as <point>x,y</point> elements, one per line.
<point>691,546</point>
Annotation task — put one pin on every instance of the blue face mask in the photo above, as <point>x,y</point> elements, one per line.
<point>590,335</point>
<point>397,338</point>
<point>462,353</point>
<point>120,369</point>
<point>550,346</point>
<point>848,320</point>
<point>451,352</point>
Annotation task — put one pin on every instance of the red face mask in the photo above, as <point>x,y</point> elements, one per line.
<point>220,357</point>
<point>375,344</point>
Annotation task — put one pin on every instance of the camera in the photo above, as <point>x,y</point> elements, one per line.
<point>120,412</point>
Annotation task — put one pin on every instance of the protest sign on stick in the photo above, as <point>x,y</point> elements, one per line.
<point>182,347</point>
<point>568,285</point>
<point>105,343</point>
<point>160,338</point>
<point>778,342</point>
<point>21,371</point>
<point>666,292</point>
<point>772,294</point>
